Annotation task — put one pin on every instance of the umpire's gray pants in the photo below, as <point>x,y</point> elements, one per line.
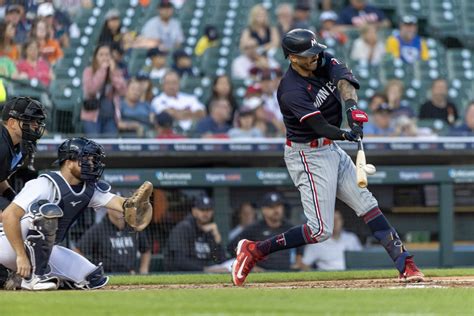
<point>322,174</point>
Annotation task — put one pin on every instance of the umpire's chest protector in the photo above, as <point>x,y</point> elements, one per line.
<point>72,203</point>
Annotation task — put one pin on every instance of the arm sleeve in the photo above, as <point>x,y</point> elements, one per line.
<point>143,243</point>
<point>319,124</point>
<point>338,70</point>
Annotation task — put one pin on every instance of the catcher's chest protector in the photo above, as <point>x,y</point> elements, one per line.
<point>72,203</point>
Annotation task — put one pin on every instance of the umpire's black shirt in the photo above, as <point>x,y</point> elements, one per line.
<point>11,157</point>
<point>302,97</point>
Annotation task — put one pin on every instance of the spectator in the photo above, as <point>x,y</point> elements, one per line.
<point>135,115</point>
<point>16,16</point>
<point>407,44</point>
<point>164,127</point>
<point>184,108</point>
<point>58,22</point>
<point>394,90</point>
<point>8,46</point>
<point>102,75</point>
<point>208,40</point>
<point>467,128</point>
<point>162,31</point>
<point>380,124</point>
<point>269,87</point>
<point>259,28</point>
<point>73,7</point>
<point>244,217</point>
<point>368,47</point>
<point>302,15</point>
<point>222,89</point>
<point>284,14</point>
<point>158,66</point>
<point>328,30</point>
<point>405,126</point>
<point>439,107</point>
<point>8,69</point>
<point>250,59</point>
<point>359,13</point>
<point>195,243</point>
<point>245,125</point>
<point>117,55</point>
<point>376,100</point>
<point>183,64</point>
<point>330,255</point>
<point>110,33</point>
<point>273,223</point>
<point>50,50</point>
<point>215,124</point>
<point>108,242</point>
<point>33,65</point>
<point>146,86</point>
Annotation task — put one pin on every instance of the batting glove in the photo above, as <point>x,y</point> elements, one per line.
<point>352,136</point>
<point>356,117</point>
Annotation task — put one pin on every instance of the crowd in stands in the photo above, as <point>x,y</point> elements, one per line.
<point>33,35</point>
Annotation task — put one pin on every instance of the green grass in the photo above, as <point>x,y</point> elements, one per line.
<point>278,276</point>
<point>248,301</point>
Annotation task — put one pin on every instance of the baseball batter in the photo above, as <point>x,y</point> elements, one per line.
<point>41,214</point>
<point>311,95</point>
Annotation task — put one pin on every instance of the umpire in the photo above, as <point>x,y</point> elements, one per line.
<point>23,124</point>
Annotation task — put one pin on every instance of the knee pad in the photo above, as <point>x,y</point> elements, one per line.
<point>40,238</point>
<point>96,279</point>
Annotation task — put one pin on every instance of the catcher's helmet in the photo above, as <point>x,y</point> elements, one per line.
<point>301,42</point>
<point>28,111</point>
<point>88,153</point>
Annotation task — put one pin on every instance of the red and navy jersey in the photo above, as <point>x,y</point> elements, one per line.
<point>302,97</point>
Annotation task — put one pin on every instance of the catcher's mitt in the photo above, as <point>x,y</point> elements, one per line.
<point>137,208</point>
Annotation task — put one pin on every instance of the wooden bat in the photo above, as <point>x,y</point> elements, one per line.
<point>362,168</point>
<point>360,164</point>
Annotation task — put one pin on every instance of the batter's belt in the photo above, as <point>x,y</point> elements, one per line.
<point>316,143</point>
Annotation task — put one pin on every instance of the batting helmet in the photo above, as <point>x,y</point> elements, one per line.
<point>27,111</point>
<point>301,42</point>
<point>88,153</point>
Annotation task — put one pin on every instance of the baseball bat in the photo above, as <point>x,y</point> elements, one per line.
<point>360,165</point>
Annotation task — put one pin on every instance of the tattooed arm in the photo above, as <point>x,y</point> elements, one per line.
<point>347,91</point>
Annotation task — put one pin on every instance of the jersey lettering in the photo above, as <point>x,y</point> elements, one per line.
<point>323,94</point>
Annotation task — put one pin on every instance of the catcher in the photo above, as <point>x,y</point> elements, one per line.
<point>39,218</point>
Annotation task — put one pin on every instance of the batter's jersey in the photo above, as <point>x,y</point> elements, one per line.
<point>43,188</point>
<point>302,97</point>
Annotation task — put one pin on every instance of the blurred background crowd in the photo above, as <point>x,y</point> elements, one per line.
<point>196,69</point>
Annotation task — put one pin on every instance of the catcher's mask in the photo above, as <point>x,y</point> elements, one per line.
<point>30,113</point>
<point>88,153</point>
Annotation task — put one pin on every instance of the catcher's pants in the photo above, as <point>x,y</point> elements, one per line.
<point>65,263</point>
<point>321,174</point>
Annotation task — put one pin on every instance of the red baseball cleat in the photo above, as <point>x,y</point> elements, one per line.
<point>247,257</point>
<point>411,273</point>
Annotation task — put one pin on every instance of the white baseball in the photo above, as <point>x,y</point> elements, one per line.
<point>369,169</point>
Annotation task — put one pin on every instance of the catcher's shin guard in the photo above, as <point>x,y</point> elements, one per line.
<point>40,238</point>
<point>96,279</point>
<point>394,247</point>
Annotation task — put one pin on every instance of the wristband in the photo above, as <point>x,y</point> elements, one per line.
<point>349,103</point>
<point>9,194</point>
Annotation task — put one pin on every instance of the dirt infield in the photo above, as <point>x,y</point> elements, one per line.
<point>434,282</point>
